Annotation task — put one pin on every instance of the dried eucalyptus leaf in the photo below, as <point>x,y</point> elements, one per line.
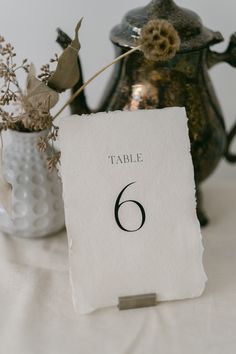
<point>67,71</point>
<point>38,92</point>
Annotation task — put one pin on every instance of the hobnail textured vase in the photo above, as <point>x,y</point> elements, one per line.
<point>37,205</point>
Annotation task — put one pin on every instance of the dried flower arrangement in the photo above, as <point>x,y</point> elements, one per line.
<point>42,92</point>
<point>158,41</point>
<point>29,110</point>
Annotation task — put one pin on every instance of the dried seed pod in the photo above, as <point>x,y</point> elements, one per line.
<point>42,144</point>
<point>159,41</point>
<point>53,161</point>
<point>67,72</point>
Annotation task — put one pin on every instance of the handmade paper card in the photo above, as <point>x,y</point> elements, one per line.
<point>129,194</point>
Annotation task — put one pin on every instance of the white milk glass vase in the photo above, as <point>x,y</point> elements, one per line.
<point>37,205</point>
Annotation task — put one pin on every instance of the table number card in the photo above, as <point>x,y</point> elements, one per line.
<point>130,205</point>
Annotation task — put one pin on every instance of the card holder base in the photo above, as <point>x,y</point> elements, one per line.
<point>137,301</point>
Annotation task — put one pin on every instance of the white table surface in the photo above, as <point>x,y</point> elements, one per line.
<point>37,316</point>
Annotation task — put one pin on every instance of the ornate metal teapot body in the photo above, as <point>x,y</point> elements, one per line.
<point>181,81</point>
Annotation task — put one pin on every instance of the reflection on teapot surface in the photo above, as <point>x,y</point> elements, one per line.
<point>183,81</point>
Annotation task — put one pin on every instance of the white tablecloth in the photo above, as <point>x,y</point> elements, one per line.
<point>37,316</point>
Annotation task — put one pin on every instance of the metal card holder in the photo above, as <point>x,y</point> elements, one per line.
<point>137,301</point>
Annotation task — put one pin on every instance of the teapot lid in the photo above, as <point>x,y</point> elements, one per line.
<point>187,23</point>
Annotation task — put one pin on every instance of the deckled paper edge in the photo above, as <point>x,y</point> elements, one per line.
<point>201,246</point>
<point>75,302</point>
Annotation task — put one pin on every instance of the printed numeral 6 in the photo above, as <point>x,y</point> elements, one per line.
<point>119,204</point>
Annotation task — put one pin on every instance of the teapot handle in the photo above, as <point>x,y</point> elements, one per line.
<point>230,157</point>
<point>229,56</point>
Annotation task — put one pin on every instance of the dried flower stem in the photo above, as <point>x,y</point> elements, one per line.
<point>71,99</point>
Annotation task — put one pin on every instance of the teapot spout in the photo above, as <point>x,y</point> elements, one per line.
<point>229,56</point>
<point>79,105</point>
